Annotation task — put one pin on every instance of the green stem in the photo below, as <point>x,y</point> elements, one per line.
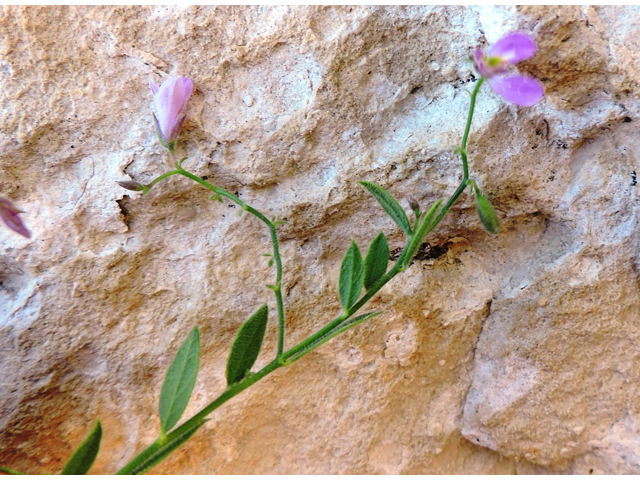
<point>274,239</point>
<point>463,154</point>
<point>159,179</point>
<point>282,358</point>
<point>356,306</point>
<point>272,230</point>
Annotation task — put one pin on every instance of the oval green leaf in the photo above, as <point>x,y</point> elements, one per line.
<point>82,459</point>
<point>376,261</point>
<point>351,276</point>
<point>247,345</point>
<point>179,382</point>
<point>487,214</point>
<point>390,205</point>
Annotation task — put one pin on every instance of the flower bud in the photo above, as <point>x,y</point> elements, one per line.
<point>131,185</point>
<point>9,216</point>
<point>415,206</point>
<point>171,98</point>
<point>487,214</point>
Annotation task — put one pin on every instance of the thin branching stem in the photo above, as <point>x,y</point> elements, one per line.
<point>277,288</point>
<point>307,345</point>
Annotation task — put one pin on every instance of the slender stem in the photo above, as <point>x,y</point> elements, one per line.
<point>463,154</point>
<point>465,137</point>
<point>282,358</point>
<point>159,179</point>
<point>277,288</point>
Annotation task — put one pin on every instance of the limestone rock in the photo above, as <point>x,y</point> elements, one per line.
<point>515,353</point>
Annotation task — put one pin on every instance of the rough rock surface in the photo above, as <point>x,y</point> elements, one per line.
<point>511,353</point>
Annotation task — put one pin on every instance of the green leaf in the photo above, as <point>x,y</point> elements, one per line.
<point>159,450</point>
<point>179,382</point>
<point>332,333</point>
<point>486,213</point>
<point>390,205</point>
<point>9,471</point>
<point>247,345</point>
<point>351,276</point>
<point>425,227</point>
<point>376,260</point>
<point>82,459</point>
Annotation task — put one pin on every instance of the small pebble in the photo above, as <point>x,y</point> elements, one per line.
<point>248,100</point>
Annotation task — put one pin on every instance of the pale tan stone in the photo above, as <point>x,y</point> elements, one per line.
<point>515,353</point>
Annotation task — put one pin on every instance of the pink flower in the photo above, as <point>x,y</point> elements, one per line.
<point>171,98</point>
<point>9,216</point>
<point>494,66</point>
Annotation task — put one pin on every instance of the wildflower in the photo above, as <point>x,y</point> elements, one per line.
<point>9,216</point>
<point>171,98</point>
<point>494,66</point>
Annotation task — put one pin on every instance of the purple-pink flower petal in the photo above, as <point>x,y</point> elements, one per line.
<point>9,215</point>
<point>523,91</point>
<point>480,65</point>
<point>153,86</point>
<point>514,48</point>
<point>171,99</point>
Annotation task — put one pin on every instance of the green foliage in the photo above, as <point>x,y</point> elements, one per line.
<point>159,450</point>
<point>351,276</point>
<point>390,205</point>
<point>179,382</point>
<point>82,459</point>
<point>376,260</point>
<point>9,471</point>
<point>487,214</point>
<point>247,345</point>
<point>425,227</point>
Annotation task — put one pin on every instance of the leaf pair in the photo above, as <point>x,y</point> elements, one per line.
<point>181,376</point>
<point>354,273</point>
<point>395,211</point>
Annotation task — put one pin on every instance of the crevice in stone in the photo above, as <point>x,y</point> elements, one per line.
<point>124,211</point>
<point>425,252</point>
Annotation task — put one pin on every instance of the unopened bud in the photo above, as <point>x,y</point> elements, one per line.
<point>131,185</point>
<point>413,203</point>
<point>487,214</point>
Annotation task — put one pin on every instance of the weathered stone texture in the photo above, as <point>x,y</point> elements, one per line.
<point>511,353</point>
